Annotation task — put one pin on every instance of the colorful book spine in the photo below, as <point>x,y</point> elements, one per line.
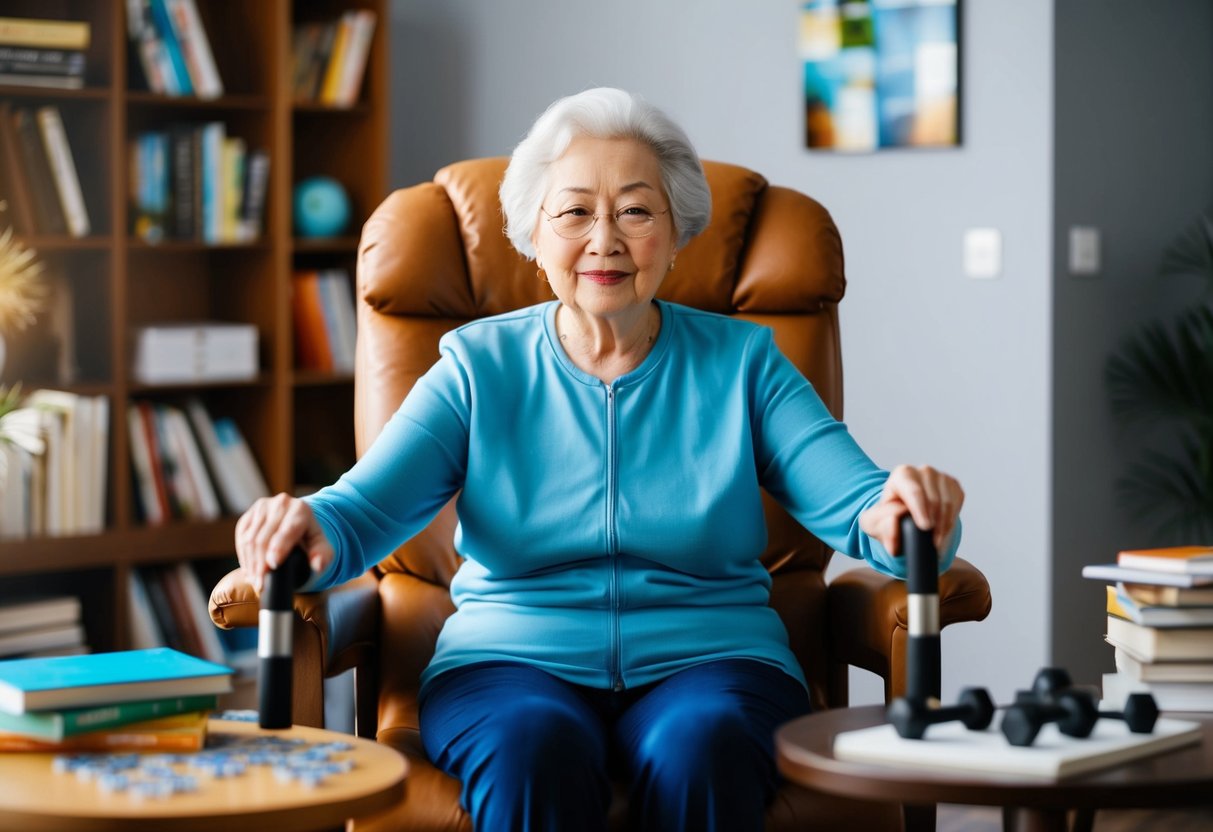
<point>55,34</point>
<point>54,726</point>
<point>183,732</point>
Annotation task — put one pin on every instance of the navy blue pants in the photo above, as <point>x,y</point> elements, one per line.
<point>534,752</point>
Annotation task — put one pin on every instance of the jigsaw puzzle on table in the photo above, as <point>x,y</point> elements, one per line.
<point>159,776</point>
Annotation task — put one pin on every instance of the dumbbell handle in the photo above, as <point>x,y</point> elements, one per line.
<point>274,642</point>
<point>923,663</point>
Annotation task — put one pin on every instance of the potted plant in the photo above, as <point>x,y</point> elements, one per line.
<point>1160,379</point>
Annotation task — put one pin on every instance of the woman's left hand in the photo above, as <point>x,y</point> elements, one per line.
<point>931,497</point>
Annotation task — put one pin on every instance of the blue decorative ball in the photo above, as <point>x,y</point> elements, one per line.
<point>322,207</point>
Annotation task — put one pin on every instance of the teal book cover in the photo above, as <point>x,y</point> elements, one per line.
<point>103,678</point>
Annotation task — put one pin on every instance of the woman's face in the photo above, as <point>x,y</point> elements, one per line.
<point>606,272</point>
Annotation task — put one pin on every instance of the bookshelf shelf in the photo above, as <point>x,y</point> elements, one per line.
<point>195,104</point>
<point>325,245</point>
<point>102,94</point>
<point>296,423</point>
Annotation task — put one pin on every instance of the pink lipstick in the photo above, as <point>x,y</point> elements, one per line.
<point>605,278</point>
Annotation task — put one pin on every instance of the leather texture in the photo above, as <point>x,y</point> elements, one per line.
<point>434,256</point>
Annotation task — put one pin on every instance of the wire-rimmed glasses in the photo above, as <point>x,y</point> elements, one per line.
<point>633,221</point>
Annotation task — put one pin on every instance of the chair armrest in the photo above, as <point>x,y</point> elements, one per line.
<point>334,631</point>
<point>868,618</point>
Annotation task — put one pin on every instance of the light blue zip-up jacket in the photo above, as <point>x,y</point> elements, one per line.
<point>611,533</point>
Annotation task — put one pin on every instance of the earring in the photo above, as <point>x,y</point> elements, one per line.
<point>539,274</point>
<point>671,265</point>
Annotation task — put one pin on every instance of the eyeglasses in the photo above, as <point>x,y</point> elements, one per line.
<point>633,221</point>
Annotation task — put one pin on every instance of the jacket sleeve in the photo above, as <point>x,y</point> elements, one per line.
<point>413,468</point>
<point>810,463</point>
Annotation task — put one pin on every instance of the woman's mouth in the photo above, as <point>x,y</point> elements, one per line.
<point>605,278</point>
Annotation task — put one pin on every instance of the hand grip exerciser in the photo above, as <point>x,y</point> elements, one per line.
<point>274,643</point>
<point>923,665</point>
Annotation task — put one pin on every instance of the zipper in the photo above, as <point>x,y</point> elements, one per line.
<point>614,669</point>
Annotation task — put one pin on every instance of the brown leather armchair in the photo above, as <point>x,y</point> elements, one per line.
<point>433,257</point>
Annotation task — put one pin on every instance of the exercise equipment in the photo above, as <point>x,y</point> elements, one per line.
<point>911,717</point>
<point>274,639</point>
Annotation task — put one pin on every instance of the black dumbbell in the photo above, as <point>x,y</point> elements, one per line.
<point>1140,713</point>
<point>1074,712</point>
<point>1049,682</point>
<point>911,716</point>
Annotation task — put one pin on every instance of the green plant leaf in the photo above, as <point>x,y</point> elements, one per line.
<point>1165,373</point>
<point>1173,491</point>
<point>1191,253</point>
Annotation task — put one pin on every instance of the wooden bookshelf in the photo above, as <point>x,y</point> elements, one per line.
<point>299,424</point>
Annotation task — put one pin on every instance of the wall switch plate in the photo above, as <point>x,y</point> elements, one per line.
<point>1084,250</point>
<point>983,253</point>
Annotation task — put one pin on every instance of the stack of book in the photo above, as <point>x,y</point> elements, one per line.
<point>53,465</point>
<point>43,53</point>
<point>1160,622</point>
<point>329,58</point>
<point>41,627</point>
<point>39,181</point>
<point>134,700</point>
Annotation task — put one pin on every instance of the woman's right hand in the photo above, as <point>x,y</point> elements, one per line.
<point>272,526</point>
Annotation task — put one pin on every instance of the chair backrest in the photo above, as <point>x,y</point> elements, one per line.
<point>434,256</point>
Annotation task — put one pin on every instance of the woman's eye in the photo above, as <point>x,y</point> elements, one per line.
<point>634,211</point>
<point>574,212</point>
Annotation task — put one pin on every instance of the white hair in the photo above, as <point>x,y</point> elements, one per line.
<point>603,112</point>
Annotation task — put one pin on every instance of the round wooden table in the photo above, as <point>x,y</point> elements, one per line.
<point>1171,779</point>
<point>33,797</point>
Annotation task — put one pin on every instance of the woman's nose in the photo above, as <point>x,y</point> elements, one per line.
<point>604,237</point>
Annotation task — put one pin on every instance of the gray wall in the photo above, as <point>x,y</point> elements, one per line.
<point>939,368</point>
<point>1134,151</point>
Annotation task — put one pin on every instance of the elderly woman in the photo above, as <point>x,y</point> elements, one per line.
<point>609,450</point>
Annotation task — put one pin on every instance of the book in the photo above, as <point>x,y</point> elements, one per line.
<point>15,195</point>
<point>229,484</point>
<point>180,732</point>
<point>1190,560</point>
<point>1053,755</point>
<point>48,211</point>
<point>63,170</point>
<point>252,197</point>
<point>1122,604</point>
<point>183,351</point>
<point>1169,696</point>
<point>145,632</point>
<point>101,678</point>
<point>180,82</point>
<point>39,612</point>
<point>19,642</point>
<point>1142,671</point>
<point>195,47</point>
<point>54,726</point>
<point>358,47</point>
<point>54,34</point>
<point>1115,572</point>
<point>1150,644</point>
<point>1170,596</point>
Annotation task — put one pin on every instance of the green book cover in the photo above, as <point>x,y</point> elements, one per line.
<point>56,725</point>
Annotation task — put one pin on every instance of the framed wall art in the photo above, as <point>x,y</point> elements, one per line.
<point>880,74</point>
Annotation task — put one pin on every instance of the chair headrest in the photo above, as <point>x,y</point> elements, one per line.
<point>438,249</point>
